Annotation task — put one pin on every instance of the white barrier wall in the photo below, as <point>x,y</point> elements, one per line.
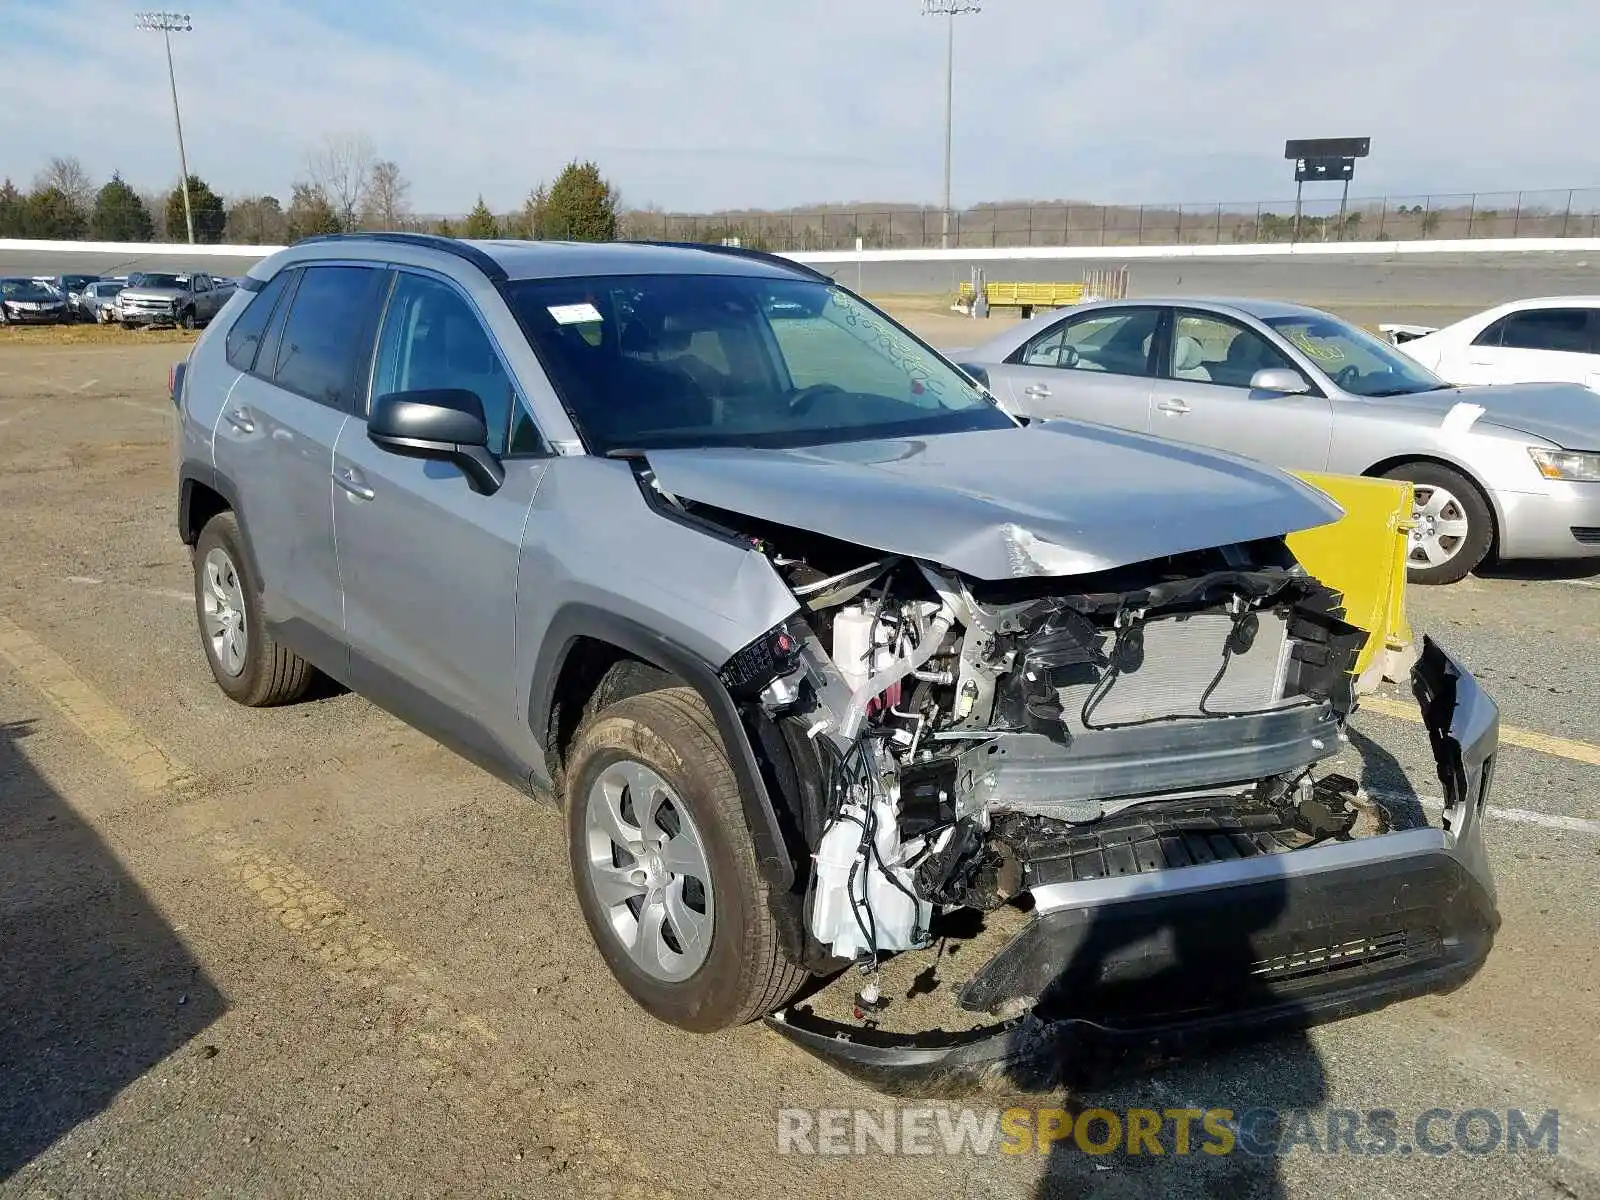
<point>1009,254</point>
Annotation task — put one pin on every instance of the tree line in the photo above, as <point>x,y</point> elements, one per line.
<point>346,187</point>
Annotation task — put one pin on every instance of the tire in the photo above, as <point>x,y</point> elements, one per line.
<point>745,972</point>
<point>1454,498</point>
<point>264,673</point>
<point>186,318</point>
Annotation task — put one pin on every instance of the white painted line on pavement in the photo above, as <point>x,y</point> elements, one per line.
<point>1517,816</point>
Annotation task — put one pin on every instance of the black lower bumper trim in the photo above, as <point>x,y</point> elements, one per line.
<point>1032,1053</point>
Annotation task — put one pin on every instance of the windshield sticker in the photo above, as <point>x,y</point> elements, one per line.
<point>574,314</point>
<point>1317,348</point>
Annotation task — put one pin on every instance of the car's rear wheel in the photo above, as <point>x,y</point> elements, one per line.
<point>247,663</point>
<point>1452,526</point>
<point>664,866</point>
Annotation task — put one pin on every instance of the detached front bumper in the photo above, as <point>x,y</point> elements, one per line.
<point>1144,965</point>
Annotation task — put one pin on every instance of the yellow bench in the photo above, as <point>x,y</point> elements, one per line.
<point>1026,296</point>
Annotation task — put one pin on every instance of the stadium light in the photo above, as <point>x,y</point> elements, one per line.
<point>167,24</point>
<point>949,10</point>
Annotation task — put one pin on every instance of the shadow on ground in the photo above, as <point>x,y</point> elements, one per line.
<point>1563,568</point>
<point>1155,992</point>
<point>95,986</point>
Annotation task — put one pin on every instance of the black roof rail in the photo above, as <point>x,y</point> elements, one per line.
<point>776,260</point>
<point>425,241</point>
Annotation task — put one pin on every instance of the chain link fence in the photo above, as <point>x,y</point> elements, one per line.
<point>1572,212</point>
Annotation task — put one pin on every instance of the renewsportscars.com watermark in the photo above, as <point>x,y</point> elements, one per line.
<point>1258,1132</point>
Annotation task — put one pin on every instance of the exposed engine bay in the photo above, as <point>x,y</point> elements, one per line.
<point>970,734</point>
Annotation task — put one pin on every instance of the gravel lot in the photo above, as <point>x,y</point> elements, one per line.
<point>306,951</point>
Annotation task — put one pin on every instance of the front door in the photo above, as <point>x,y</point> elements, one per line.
<point>1204,396</point>
<point>429,566</point>
<point>1092,366</point>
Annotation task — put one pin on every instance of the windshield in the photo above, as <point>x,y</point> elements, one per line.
<point>23,289</point>
<point>655,361</point>
<point>153,280</point>
<point>1355,360</point>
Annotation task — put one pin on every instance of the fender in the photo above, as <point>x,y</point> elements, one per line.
<point>191,474</point>
<point>582,620</point>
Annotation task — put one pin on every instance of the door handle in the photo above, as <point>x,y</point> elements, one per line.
<point>1037,390</point>
<point>241,420</point>
<point>1174,408</point>
<point>350,481</point>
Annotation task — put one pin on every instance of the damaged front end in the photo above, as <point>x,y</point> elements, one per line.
<point>1133,762</point>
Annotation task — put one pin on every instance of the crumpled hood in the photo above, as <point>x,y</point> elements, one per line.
<point>150,293</point>
<point>1053,498</point>
<point>1567,414</point>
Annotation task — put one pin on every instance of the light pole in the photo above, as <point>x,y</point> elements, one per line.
<point>949,10</point>
<point>169,23</point>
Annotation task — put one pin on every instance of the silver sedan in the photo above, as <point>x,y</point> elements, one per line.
<point>1509,471</point>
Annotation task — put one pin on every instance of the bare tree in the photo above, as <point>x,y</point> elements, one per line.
<point>342,168</point>
<point>68,176</point>
<point>386,206</point>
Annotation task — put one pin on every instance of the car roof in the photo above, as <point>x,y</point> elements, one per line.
<point>1552,302</point>
<point>1260,309</point>
<point>516,260</point>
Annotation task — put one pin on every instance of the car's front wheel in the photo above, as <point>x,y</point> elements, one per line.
<point>246,661</point>
<point>186,318</point>
<point>665,868</point>
<point>1452,527</point>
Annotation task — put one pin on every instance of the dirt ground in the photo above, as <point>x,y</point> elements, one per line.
<point>307,951</point>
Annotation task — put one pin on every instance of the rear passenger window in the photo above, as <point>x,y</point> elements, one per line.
<point>324,335</point>
<point>245,336</point>
<point>1547,329</point>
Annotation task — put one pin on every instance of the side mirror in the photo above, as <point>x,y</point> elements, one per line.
<point>1283,380</point>
<point>445,424</point>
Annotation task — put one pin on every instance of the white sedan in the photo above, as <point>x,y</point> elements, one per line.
<point>1554,339</point>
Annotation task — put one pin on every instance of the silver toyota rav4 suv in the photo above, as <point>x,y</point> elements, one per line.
<point>822,652</point>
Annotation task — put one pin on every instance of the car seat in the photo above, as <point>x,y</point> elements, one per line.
<point>1188,360</point>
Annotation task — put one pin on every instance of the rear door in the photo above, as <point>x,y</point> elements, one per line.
<point>275,439</point>
<point>1536,345</point>
<point>1096,365</point>
<point>1204,395</point>
<point>429,566</point>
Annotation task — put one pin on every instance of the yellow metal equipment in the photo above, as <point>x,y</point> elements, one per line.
<point>1026,296</point>
<point>1364,557</point>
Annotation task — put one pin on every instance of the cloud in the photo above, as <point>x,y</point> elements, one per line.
<point>710,103</point>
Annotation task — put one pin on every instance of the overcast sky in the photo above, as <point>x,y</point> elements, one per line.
<point>699,104</point>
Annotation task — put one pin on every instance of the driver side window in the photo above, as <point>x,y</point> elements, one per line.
<point>433,339</point>
<point>1212,349</point>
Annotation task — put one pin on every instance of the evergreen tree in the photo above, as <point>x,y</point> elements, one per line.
<point>582,206</point>
<point>210,214</point>
<point>119,214</point>
<point>480,222</point>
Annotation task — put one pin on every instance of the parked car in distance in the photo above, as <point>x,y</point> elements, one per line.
<point>167,298</point>
<point>1510,470</point>
<point>29,302</point>
<point>814,641</point>
<point>1550,339</point>
<point>71,287</point>
<point>98,302</point>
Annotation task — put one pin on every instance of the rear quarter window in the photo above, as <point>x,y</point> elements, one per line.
<point>244,339</point>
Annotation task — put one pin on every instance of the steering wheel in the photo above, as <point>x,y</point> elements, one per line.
<point>1346,376</point>
<point>803,399</point>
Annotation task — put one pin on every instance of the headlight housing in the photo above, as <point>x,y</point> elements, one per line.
<point>1573,466</point>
